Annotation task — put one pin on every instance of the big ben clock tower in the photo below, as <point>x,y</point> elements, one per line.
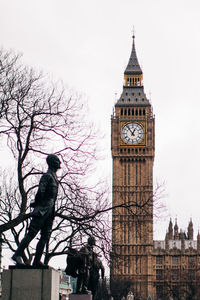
<point>132,126</point>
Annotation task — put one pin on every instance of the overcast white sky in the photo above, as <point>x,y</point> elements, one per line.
<point>87,44</point>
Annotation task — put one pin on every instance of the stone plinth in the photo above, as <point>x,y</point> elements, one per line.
<point>80,297</point>
<point>30,284</point>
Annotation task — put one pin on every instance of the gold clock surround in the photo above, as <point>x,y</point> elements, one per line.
<point>140,123</point>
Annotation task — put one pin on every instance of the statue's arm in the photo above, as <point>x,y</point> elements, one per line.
<point>42,189</point>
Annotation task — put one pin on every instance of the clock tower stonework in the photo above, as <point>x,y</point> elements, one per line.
<point>133,146</point>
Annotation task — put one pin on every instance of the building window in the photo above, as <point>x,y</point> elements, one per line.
<point>121,111</point>
<point>174,260</point>
<point>159,260</point>
<point>191,275</point>
<point>144,112</point>
<point>159,274</point>
<point>129,172</point>
<point>175,275</point>
<point>191,261</point>
<point>159,291</point>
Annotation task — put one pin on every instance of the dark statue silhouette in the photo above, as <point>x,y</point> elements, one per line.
<point>43,213</point>
<point>94,275</point>
<point>85,265</point>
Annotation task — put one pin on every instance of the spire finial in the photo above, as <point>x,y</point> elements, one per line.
<point>133,32</point>
<point>133,67</point>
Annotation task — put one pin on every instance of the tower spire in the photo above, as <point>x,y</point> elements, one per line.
<point>133,75</point>
<point>133,90</point>
<point>133,67</point>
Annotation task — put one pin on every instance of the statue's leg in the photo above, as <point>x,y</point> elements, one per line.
<point>85,282</point>
<point>45,235</point>
<point>94,287</point>
<point>32,232</point>
<point>24,244</point>
<point>79,284</point>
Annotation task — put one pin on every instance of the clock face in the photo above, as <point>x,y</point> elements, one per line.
<point>132,133</point>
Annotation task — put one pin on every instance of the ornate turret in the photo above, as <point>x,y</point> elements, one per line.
<point>170,229</point>
<point>176,235</point>
<point>167,241</point>
<point>198,242</point>
<point>190,230</point>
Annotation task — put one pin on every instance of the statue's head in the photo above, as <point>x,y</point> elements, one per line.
<point>91,241</point>
<point>53,162</point>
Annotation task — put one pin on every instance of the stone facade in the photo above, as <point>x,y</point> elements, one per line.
<point>176,264</point>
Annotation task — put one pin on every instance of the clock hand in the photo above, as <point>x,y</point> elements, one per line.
<point>132,132</point>
<point>129,129</point>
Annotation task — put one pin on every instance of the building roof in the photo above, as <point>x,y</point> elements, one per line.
<point>133,96</point>
<point>133,66</point>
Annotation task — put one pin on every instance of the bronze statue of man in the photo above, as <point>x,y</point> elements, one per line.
<point>94,275</point>
<point>43,213</point>
<point>86,253</point>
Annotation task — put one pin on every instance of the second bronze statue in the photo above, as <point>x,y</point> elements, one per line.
<point>85,265</point>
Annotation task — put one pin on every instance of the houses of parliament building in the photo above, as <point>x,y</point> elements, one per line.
<point>166,269</point>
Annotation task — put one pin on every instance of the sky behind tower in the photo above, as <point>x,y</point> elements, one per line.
<point>87,44</point>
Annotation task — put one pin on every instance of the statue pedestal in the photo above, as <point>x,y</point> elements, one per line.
<point>80,296</point>
<point>30,284</point>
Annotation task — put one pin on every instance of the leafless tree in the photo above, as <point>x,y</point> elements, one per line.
<point>39,117</point>
<point>8,63</point>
